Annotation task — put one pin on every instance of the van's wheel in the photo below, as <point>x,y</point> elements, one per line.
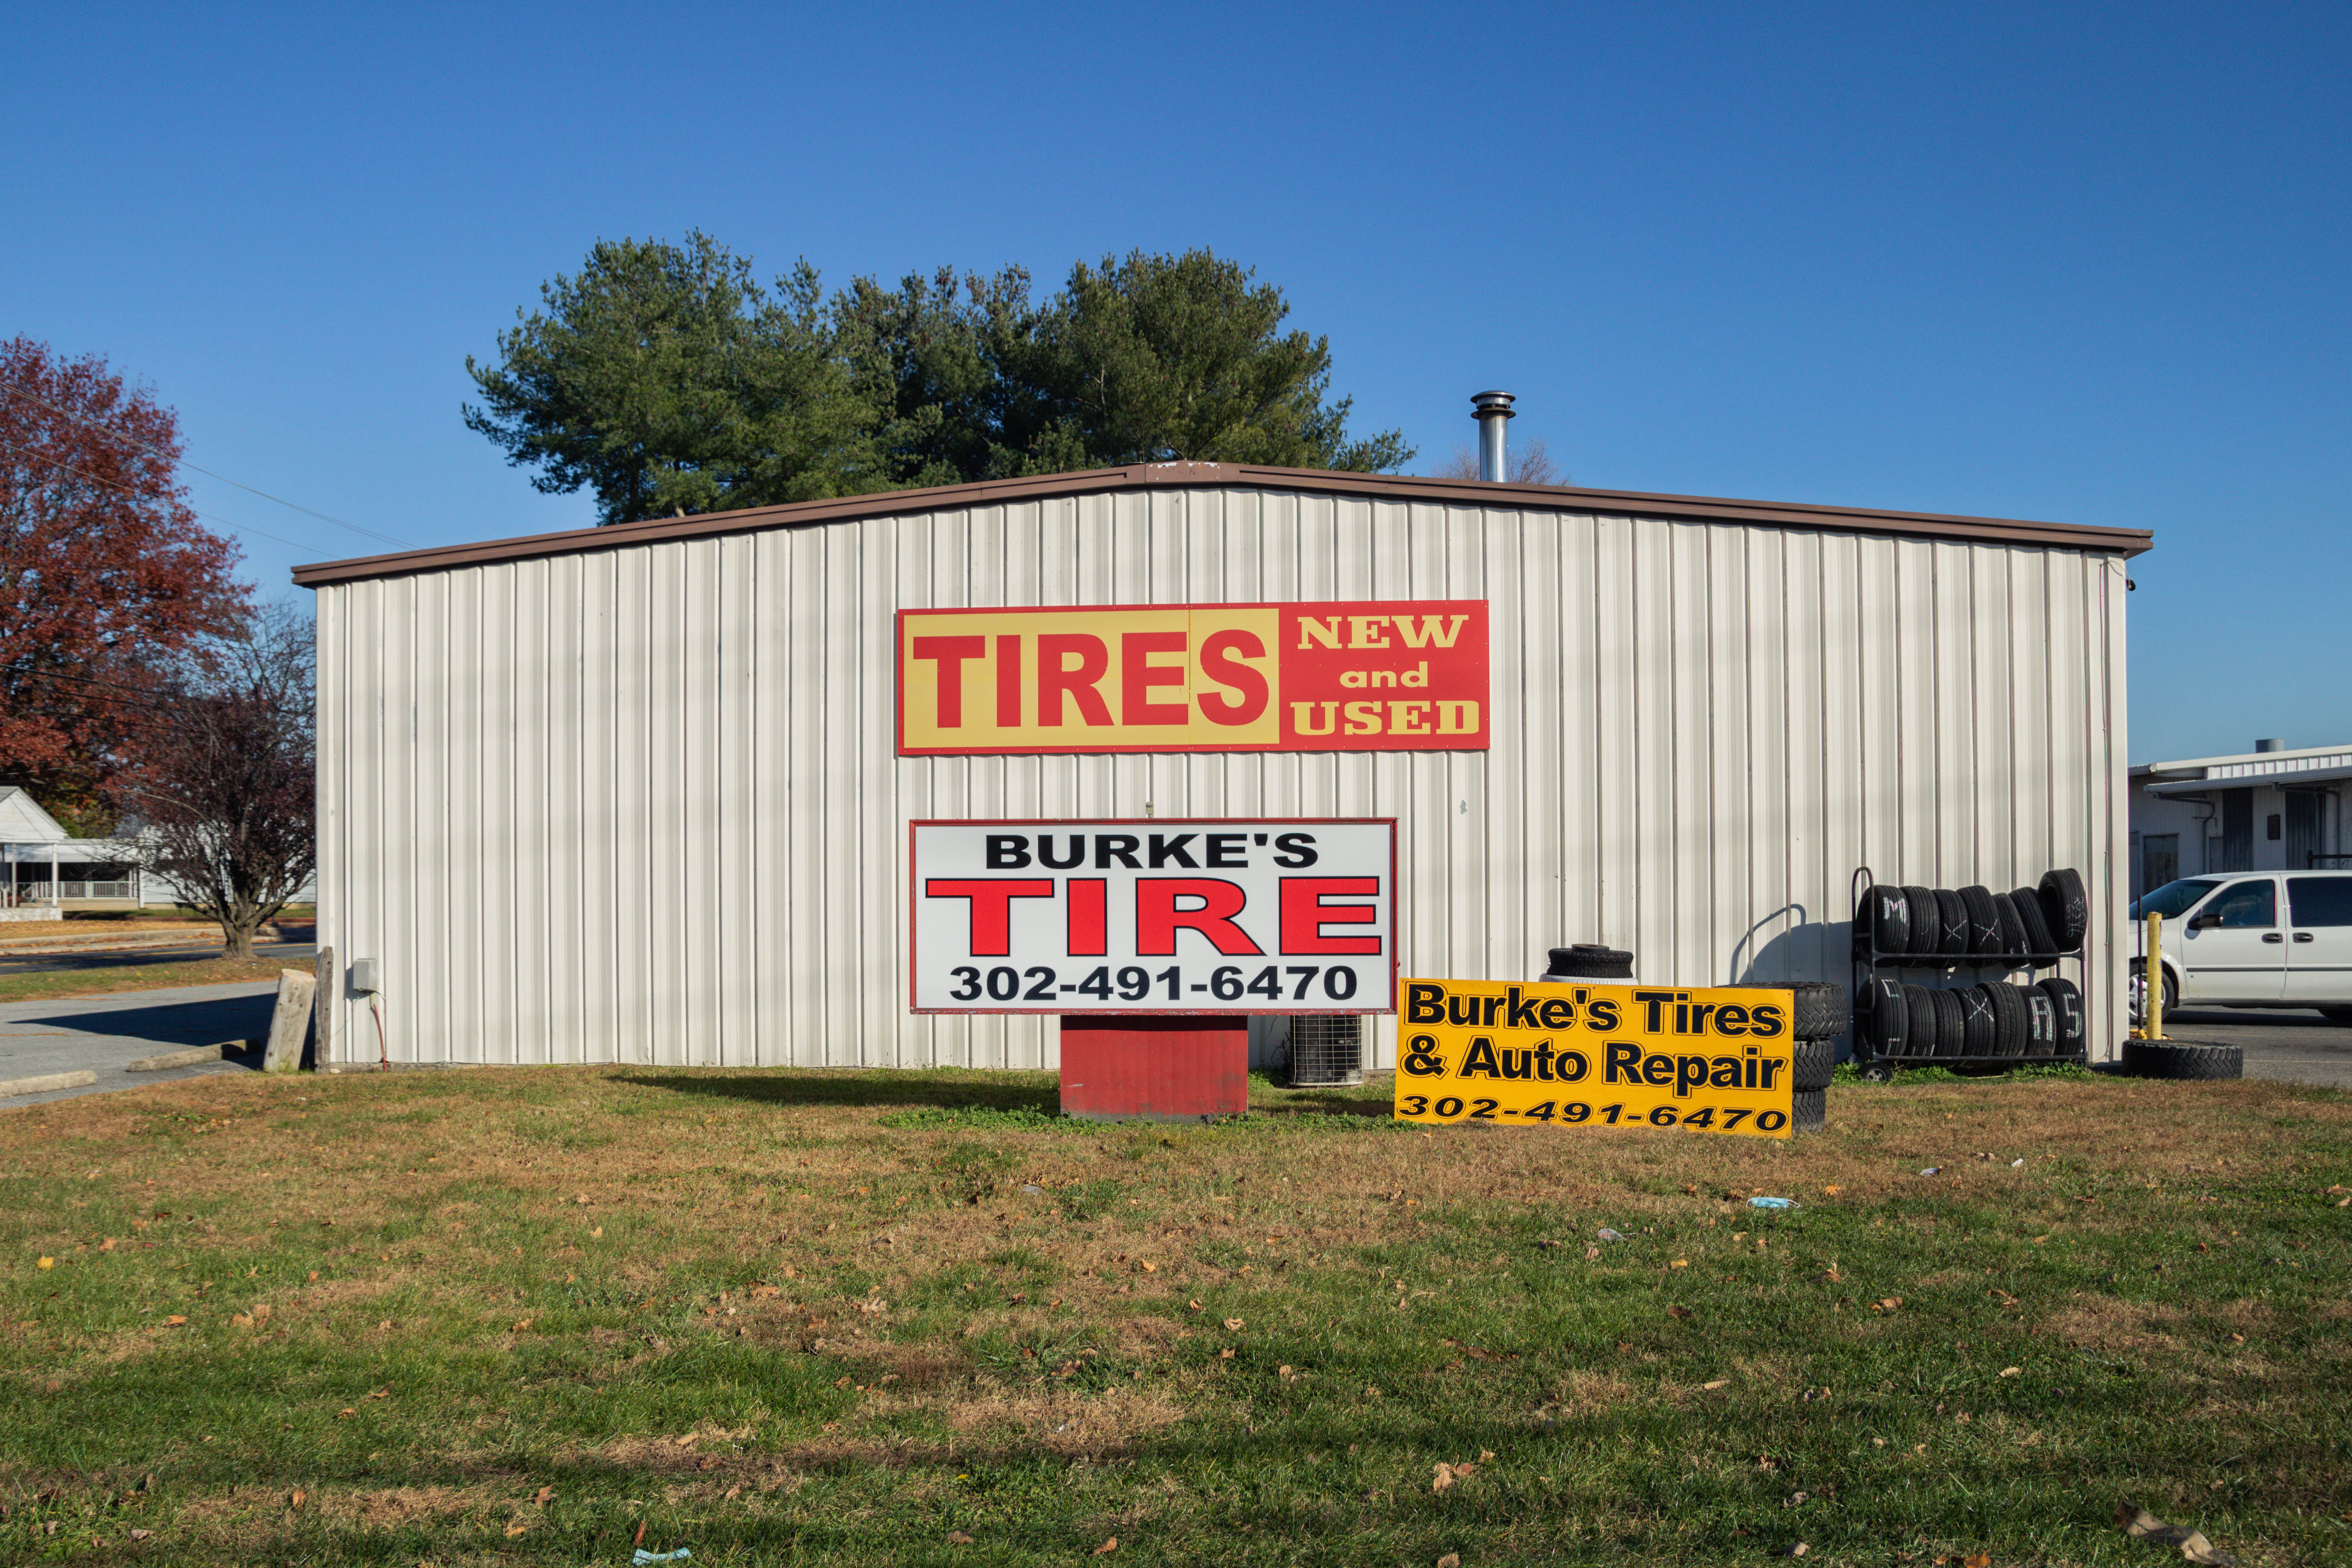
<point>1877,1072</point>
<point>2172,992</point>
<point>2183,1060</point>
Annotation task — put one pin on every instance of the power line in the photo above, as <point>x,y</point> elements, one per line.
<point>126,490</point>
<point>182,462</point>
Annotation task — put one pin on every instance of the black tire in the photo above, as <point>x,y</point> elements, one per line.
<point>1821,1011</point>
<point>2011,1020</point>
<point>1887,1019</point>
<point>2333,1015</point>
<point>1814,1059</point>
<point>1984,920</point>
<point>2012,925</point>
<point>1888,912</point>
<point>2041,1022</point>
<point>2171,988</point>
<point>1919,1002</point>
<point>2038,938</point>
<point>1809,1110</point>
<point>2066,999</point>
<point>1951,1023</point>
<point>1923,919</point>
<point>2198,1060</point>
<point>1589,960</point>
<point>2066,905</point>
<point>1878,1072</point>
<point>1980,1035</point>
<point>1952,923</point>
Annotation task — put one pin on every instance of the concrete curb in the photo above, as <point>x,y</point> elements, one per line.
<point>12,1087</point>
<point>194,1056</point>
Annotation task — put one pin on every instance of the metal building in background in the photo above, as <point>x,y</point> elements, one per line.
<point>633,794</point>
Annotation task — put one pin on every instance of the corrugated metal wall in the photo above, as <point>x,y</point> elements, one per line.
<point>643,805</point>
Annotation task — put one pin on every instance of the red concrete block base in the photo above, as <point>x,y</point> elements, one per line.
<point>1121,1067</point>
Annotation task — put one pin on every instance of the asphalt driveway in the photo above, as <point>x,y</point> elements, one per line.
<point>105,1033</point>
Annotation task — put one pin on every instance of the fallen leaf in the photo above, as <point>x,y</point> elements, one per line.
<point>1233,1323</point>
<point>1679,1263</point>
<point>2011,1371</point>
<point>515,1530</point>
<point>1149,1268</point>
<point>540,1498</point>
<point>1451,1560</point>
<point>383,1393</point>
<point>1107,1548</point>
<point>1443,1476</point>
<point>1832,1189</point>
<point>174,1320</point>
<point>47,1263</point>
<point>2142,1525</point>
<point>240,1319</point>
<point>1978,1560</point>
<point>1718,1383</point>
<point>1690,1189</point>
<point>522,1324</point>
<point>1680,1312</point>
<point>596,1233</point>
<point>142,1535</point>
<point>2039,1239</point>
<point>347,1410</point>
<point>958,1538</point>
<point>1194,1305</point>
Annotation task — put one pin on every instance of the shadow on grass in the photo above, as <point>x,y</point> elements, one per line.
<point>881,1086</point>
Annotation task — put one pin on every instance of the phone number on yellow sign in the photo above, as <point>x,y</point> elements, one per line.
<point>1714,1060</point>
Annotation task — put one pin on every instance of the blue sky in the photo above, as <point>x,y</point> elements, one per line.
<point>2081,263</point>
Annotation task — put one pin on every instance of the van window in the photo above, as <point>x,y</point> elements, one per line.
<point>2172,899</point>
<point>2319,900</point>
<point>2246,905</point>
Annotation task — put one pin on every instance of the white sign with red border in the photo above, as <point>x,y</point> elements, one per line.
<point>1155,915</point>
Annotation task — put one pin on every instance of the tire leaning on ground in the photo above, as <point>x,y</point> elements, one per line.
<point>2011,1020</point>
<point>1979,1037</point>
<point>1923,919</point>
<point>1815,1061</point>
<point>1951,1022</point>
<point>1809,1110</point>
<point>1919,1002</point>
<point>1952,923</point>
<point>2038,938</point>
<point>2013,926</point>
<point>1887,1018</point>
<point>1890,919</point>
<point>1984,920</point>
<point>2183,1060</point>
<point>2066,1001</point>
<point>1821,1013</point>
<point>2066,905</point>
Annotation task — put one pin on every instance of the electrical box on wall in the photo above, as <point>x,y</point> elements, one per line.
<point>364,976</point>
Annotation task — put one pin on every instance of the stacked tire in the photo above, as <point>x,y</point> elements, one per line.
<point>1975,922</point>
<point>1823,1013</point>
<point>1994,1020</point>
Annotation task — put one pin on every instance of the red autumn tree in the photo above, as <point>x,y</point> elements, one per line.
<point>106,577</point>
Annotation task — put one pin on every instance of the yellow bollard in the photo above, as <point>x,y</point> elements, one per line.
<point>2155,977</point>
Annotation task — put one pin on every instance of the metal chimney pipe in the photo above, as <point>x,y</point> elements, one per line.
<point>1493,411</point>
<point>2270,745</point>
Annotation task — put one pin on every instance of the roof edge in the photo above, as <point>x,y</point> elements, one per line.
<point>2124,542</point>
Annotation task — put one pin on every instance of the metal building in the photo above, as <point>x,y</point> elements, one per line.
<point>633,794</point>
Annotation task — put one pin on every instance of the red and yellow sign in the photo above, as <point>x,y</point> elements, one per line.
<point>1370,675</point>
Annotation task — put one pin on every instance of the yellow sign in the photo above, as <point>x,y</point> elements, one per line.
<point>1714,1060</point>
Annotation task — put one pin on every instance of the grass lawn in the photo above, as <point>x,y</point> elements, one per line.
<point>50,985</point>
<point>909,1318</point>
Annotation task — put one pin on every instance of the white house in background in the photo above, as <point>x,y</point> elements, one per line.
<point>46,868</point>
<point>2270,809</point>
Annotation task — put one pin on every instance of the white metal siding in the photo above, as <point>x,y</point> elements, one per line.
<point>644,805</point>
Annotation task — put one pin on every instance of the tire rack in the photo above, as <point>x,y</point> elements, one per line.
<point>1869,963</point>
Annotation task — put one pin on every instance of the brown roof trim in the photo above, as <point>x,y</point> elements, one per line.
<point>2124,542</point>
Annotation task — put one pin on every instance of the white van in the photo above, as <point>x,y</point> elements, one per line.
<point>2253,939</point>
